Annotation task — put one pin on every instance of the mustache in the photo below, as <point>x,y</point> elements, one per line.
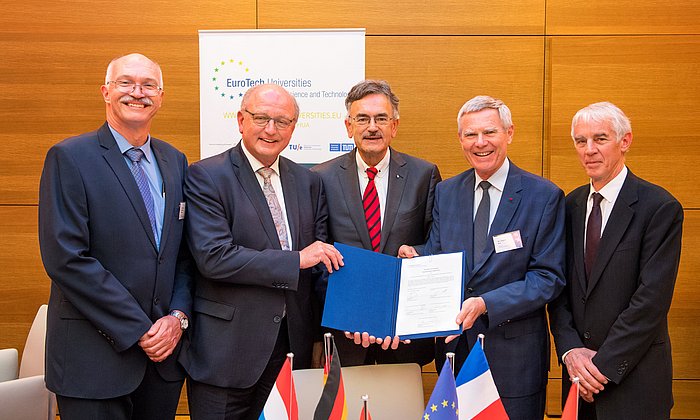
<point>127,98</point>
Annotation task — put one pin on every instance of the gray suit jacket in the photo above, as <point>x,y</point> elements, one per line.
<point>621,311</point>
<point>407,220</point>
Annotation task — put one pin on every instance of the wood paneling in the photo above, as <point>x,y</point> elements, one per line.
<point>414,17</point>
<point>24,285</point>
<point>653,80</point>
<point>685,396</point>
<point>614,17</point>
<point>434,76</point>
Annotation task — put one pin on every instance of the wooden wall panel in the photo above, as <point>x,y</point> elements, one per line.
<point>434,76</point>
<point>24,285</point>
<point>614,17</point>
<point>652,79</point>
<point>410,17</point>
<point>54,59</point>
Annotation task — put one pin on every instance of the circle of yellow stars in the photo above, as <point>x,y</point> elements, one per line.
<point>443,404</point>
<point>220,67</point>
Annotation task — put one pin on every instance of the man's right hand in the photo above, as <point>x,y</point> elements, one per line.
<point>320,252</point>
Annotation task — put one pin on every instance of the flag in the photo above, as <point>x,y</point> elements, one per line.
<point>443,401</point>
<point>476,391</point>
<point>332,404</point>
<point>571,407</point>
<point>282,402</point>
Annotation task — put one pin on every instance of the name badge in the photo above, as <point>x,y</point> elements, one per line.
<point>507,241</point>
<point>181,212</point>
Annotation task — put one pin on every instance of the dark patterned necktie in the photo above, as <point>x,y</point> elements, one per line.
<point>595,222</point>
<point>370,202</point>
<point>481,222</point>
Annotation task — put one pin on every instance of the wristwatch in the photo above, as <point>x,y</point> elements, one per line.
<point>184,322</point>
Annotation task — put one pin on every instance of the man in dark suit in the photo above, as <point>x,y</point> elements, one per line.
<point>511,225</point>
<point>405,188</point>
<point>110,241</point>
<point>256,226</point>
<point>623,237</point>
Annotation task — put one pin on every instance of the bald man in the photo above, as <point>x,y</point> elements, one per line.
<point>256,228</point>
<point>110,240</point>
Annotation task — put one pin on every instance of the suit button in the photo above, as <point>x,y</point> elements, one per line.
<point>587,335</point>
<point>583,300</point>
<point>156,301</point>
<point>469,290</point>
<point>277,319</point>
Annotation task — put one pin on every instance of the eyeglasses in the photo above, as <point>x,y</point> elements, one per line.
<point>127,86</point>
<point>262,120</point>
<point>363,120</point>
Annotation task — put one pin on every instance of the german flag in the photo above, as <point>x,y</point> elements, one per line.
<point>332,404</point>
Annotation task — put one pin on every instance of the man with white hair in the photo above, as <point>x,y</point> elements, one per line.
<point>623,237</point>
<point>111,219</point>
<point>511,225</point>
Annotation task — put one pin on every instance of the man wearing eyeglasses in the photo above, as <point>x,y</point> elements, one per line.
<point>400,214</point>
<point>111,212</point>
<point>256,228</point>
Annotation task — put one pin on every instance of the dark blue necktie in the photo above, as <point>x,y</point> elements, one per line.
<point>135,155</point>
<point>481,223</point>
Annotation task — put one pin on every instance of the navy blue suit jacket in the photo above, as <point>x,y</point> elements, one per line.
<point>621,311</point>
<point>109,281</point>
<point>516,285</point>
<point>245,279</point>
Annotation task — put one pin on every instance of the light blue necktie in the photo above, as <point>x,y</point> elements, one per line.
<point>135,155</point>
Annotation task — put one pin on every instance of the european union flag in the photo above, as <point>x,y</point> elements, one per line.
<point>443,401</point>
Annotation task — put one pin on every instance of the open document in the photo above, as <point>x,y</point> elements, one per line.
<point>388,296</point>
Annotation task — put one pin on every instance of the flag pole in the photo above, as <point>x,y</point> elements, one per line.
<point>576,381</point>
<point>327,337</point>
<point>450,356</point>
<point>481,340</point>
<point>365,398</point>
<point>293,400</point>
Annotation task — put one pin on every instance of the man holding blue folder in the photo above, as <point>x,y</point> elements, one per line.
<point>511,225</point>
<point>378,199</point>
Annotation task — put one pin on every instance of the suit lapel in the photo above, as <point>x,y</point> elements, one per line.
<point>578,224</point>
<point>291,201</point>
<point>398,173</point>
<point>467,192</point>
<point>251,186</point>
<point>615,228</point>
<point>350,184</point>
<point>169,184</point>
<point>120,168</point>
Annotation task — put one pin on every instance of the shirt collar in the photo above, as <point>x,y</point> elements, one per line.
<point>612,189</point>
<point>124,144</point>
<point>498,179</point>
<point>381,166</point>
<point>256,164</point>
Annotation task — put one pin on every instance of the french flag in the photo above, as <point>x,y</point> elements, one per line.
<point>282,402</point>
<point>476,392</point>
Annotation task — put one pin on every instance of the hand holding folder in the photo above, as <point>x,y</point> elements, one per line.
<point>386,296</point>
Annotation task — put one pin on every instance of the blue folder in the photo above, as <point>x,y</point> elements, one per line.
<point>363,295</point>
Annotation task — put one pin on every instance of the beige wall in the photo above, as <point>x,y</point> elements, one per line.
<point>545,59</point>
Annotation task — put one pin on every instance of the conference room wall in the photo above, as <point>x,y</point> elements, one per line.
<point>544,59</point>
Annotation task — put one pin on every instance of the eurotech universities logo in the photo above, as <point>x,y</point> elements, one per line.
<point>231,79</point>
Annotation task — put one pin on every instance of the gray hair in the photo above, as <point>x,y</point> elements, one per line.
<point>482,102</point>
<point>371,87</point>
<point>110,67</point>
<point>251,91</point>
<point>601,112</point>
